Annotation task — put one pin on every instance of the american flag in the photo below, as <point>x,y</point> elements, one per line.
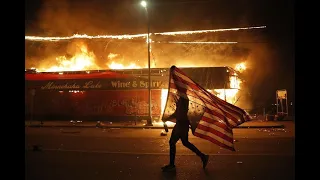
<point>210,117</point>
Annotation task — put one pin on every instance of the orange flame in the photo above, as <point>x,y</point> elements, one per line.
<point>85,60</point>
<point>82,60</point>
<point>114,65</point>
<point>241,67</point>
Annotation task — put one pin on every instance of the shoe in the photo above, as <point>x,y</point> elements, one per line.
<point>169,167</point>
<point>205,160</point>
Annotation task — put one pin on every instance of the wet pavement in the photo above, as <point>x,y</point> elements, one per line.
<point>141,124</point>
<point>138,153</point>
<point>53,165</point>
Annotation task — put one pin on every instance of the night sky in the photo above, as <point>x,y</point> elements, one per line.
<point>67,17</point>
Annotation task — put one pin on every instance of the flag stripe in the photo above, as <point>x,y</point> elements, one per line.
<point>192,91</point>
<point>213,107</point>
<point>215,141</point>
<point>230,107</point>
<point>190,85</point>
<point>210,134</point>
<point>216,117</point>
<point>216,130</point>
<point>218,123</point>
<point>186,86</point>
<point>194,85</point>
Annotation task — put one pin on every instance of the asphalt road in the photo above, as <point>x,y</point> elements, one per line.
<point>94,153</point>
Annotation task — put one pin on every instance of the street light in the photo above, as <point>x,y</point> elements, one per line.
<point>149,119</point>
<point>144,4</point>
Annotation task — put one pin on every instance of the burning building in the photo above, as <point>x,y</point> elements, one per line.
<point>82,79</point>
<point>115,94</point>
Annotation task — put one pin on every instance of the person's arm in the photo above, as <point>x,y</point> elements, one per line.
<point>172,116</point>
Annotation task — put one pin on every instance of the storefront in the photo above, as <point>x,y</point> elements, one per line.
<point>109,94</point>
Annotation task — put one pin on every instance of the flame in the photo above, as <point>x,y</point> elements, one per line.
<point>82,60</point>
<point>164,95</point>
<point>200,42</point>
<point>126,36</point>
<point>228,95</point>
<point>234,82</point>
<point>85,60</point>
<point>84,36</point>
<point>241,67</point>
<point>161,123</point>
<point>114,65</point>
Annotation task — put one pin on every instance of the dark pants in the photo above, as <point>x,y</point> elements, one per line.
<point>181,132</point>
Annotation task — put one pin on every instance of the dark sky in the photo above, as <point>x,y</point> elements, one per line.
<point>67,17</point>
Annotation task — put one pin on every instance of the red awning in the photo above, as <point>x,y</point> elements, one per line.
<point>54,76</point>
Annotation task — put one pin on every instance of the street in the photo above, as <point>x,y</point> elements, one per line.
<point>119,153</point>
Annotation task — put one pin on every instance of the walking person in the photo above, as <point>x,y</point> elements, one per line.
<point>180,131</point>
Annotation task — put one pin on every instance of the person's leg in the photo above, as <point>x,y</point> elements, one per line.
<point>172,142</point>
<point>192,147</point>
<point>186,143</point>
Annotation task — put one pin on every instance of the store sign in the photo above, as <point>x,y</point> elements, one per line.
<point>137,84</point>
<point>85,85</point>
<point>92,84</point>
<point>282,94</point>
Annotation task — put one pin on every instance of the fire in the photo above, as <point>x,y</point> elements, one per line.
<point>126,36</point>
<point>160,123</point>
<point>241,67</point>
<point>234,82</point>
<point>200,42</point>
<point>82,60</point>
<point>228,95</point>
<point>85,60</point>
<point>164,95</point>
<point>117,65</point>
<point>114,65</point>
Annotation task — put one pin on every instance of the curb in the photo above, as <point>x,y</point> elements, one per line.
<point>140,127</point>
<point>275,126</point>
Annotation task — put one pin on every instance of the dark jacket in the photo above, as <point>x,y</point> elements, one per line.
<point>181,112</point>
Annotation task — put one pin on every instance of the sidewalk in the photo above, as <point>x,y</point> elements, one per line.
<point>141,124</point>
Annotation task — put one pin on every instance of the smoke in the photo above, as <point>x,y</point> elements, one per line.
<point>68,17</point>
<point>64,18</point>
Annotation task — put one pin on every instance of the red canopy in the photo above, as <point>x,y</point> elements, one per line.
<point>54,76</point>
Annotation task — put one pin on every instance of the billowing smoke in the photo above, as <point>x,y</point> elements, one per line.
<point>68,17</point>
<point>60,18</point>
<point>65,18</point>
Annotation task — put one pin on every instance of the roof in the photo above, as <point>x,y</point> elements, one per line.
<point>66,76</point>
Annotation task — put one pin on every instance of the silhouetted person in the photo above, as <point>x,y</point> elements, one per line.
<point>180,131</point>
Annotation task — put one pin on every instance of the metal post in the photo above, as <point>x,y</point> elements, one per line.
<point>149,119</point>
<point>287,103</point>
<point>281,103</point>
<point>33,93</point>
<point>277,100</point>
